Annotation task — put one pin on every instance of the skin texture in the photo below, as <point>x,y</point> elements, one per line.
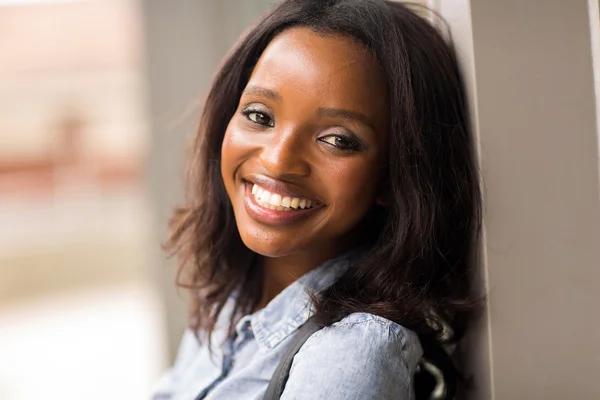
<point>299,104</point>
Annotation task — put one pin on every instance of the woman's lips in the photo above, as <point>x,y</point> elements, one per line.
<point>269,216</point>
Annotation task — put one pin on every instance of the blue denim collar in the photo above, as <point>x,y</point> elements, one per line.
<point>292,307</point>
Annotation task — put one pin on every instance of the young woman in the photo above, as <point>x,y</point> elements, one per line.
<point>332,181</point>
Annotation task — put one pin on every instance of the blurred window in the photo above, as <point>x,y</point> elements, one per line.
<point>79,315</point>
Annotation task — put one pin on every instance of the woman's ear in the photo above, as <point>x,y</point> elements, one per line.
<point>384,195</point>
<point>383,199</point>
<point>382,202</point>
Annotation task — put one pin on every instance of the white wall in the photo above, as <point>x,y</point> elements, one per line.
<point>532,85</point>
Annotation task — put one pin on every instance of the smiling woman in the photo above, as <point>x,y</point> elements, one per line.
<point>333,199</point>
<point>295,136</point>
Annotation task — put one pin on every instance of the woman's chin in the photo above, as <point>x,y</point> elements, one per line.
<point>268,246</point>
<point>268,249</point>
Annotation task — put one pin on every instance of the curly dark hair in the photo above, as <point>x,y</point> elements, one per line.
<point>416,269</point>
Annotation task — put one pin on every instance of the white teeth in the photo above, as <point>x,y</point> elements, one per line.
<point>265,196</point>
<point>275,200</point>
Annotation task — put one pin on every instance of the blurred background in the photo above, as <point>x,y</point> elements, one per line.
<point>79,312</point>
<point>98,99</point>
<point>82,276</point>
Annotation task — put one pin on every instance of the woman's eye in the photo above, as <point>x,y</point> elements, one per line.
<point>259,118</point>
<point>341,142</point>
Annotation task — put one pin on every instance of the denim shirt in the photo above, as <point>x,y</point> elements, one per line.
<point>363,356</point>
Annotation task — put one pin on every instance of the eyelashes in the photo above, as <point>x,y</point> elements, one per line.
<point>342,142</point>
<point>258,117</point>
<point>347,142</point>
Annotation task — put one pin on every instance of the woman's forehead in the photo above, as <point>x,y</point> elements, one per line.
<point>332,66</point>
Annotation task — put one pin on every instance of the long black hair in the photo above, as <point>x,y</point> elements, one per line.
<point>416,271</point>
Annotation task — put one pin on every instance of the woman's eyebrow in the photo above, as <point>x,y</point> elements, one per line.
<point>262,91</point>
<point>346,114</point>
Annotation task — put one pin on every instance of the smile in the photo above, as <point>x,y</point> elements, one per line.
<point>276,209</point>
<point>278,202</point>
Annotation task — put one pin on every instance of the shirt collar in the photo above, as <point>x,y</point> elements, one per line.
<point>292,307</point>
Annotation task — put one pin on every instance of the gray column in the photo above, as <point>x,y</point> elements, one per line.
<point>531,80</point>
<point>182,53</point>
<point>185,42</point>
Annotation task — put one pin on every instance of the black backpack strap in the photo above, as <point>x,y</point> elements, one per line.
<point>435,378</point>
<point>282,372</point>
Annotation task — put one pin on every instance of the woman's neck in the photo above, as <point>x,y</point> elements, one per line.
<point>280,272</point>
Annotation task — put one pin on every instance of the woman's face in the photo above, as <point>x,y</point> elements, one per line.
<point>302,157</point>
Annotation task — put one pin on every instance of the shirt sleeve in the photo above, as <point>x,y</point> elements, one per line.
<point>361,357</point>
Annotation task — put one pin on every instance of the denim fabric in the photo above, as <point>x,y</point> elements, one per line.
<point>363,356</point>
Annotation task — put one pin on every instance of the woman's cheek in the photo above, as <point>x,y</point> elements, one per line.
<point>355,181</point>
<point>225,150</point>
<point>233,144</point>
<point>237,140</point>
<point>231,156</point>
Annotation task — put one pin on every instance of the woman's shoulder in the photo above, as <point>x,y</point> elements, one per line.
<point>361,331</point>
<point>361,356</point>
<point>379,329</point>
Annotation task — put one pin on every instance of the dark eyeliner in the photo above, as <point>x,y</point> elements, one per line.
<point>251,109</point>
<point>356,143</point>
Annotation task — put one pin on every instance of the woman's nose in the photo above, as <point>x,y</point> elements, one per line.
<point>285,156</point>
